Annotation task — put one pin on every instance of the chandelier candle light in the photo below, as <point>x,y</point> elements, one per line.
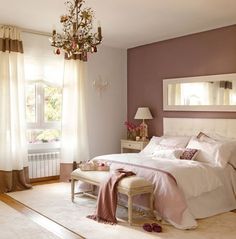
<point>77,39</point>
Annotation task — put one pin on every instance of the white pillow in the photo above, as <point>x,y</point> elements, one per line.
<point>151,146</point>
<point>175,153</point>
<point>167,153</point>
<point>174,141</point>
<point>231,143</point>
<point>211,151</point>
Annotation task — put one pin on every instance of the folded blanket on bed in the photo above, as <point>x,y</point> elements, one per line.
<point>107,197</point>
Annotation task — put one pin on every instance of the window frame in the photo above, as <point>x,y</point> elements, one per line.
<point>40,123</point>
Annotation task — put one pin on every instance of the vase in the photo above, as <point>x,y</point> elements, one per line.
<point>131,135</point>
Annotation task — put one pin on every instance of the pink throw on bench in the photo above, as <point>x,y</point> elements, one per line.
<point>107,197</point>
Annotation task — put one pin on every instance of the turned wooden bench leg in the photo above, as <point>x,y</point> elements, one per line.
<point>130,209</point>
<point>151,202</point>
<point>72,189</point>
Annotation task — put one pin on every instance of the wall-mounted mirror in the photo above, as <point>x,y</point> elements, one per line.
<point>202,93</point>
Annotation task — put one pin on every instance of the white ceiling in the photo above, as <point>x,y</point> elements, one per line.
<point>127,23</point>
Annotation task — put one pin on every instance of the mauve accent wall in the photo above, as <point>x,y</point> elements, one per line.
<point>205,53</point>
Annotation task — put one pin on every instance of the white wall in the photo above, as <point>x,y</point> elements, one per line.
<point>106,112</point>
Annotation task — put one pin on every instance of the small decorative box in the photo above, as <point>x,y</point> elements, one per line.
<point>87,167</point>
<point>94,166</point>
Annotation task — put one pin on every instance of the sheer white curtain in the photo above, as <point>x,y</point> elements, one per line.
<point>233,93</point>
<point>40,62</point>
<point>222,94</point>
<point>194,93</point>
<point>174,94</point>
<point>13,144</point>
<point>74,143</point>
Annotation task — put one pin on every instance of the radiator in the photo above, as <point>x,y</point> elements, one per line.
<point>44,165</point>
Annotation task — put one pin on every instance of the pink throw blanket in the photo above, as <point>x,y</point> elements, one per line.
<point>107,197</point>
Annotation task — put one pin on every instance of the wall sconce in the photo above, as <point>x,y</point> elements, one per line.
<point>100,85</point>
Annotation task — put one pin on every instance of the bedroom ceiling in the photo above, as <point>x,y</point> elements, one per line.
<point>127,23</point>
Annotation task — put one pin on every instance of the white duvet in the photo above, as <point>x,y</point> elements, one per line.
<point>193,178</point>
<point>199,182</point>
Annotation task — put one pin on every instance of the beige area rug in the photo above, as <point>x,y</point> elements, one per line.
<point>15,225</point>
<point>53,201</point>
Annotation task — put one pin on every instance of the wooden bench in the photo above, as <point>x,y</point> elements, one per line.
<point>129,186</point>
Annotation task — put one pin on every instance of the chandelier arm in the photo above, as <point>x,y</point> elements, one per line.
<point>77,17</point>
<point>71,8</point>
<point>77,14</point>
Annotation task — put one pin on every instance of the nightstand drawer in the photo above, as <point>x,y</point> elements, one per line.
<point>131,145</point>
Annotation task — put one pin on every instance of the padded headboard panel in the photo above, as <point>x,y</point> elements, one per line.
<point>192,126</point>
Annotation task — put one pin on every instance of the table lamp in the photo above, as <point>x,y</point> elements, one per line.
<point>143,113</point>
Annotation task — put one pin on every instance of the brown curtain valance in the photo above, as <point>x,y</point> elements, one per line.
<point>15,180</point>
<point>10,39</point>
<point>7,44</point>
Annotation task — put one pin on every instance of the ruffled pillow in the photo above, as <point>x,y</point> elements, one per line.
<point>174,141</point>
<point>211,151</point>
<point>151,146</point>
<point>229,142</point>
<point>167,153</point>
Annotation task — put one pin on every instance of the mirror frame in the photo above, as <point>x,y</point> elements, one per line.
<point>223,108</point>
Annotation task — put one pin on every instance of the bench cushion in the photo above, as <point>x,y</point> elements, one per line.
<point>97,177</point>
<point>133,182</point>
<point>94,176</point>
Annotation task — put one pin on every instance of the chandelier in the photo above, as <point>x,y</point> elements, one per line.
<point>77,38</point>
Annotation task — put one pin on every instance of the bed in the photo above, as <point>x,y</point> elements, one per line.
<point>192,189</point>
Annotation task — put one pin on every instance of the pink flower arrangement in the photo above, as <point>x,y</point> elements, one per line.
<point>132,127</point>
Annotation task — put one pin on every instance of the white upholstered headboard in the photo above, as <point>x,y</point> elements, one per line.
<point>192,126</point>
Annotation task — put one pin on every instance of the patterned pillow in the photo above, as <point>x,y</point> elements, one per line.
<point>189,154</point>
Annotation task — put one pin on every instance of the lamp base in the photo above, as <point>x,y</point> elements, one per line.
<point>143,131</point>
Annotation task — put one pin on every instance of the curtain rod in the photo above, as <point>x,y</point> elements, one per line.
<point>26,30</point>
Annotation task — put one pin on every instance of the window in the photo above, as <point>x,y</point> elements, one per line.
<point>43,114</point>
<point>44,77</point>
<point>195,93</point>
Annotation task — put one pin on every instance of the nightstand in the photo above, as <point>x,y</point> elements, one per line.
<point>132,146</point>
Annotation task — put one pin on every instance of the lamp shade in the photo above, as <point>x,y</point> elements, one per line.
<point>143,113</point>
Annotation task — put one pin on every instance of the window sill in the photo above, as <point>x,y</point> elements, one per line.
<point>44,147</point>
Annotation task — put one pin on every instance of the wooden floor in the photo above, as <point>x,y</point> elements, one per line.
<point>45,222</point>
